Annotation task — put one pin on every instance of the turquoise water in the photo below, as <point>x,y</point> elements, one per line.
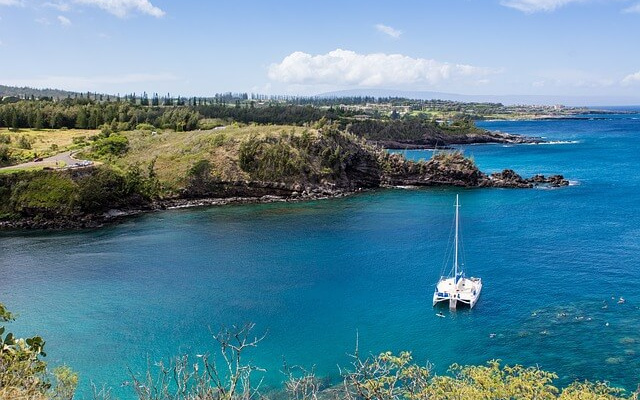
<point>314,275</point>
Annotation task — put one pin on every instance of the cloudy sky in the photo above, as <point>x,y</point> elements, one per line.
<point>188,47</point>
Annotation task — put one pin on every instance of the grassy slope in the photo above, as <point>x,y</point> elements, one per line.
<point>41,141</point>
<point>176,152</point>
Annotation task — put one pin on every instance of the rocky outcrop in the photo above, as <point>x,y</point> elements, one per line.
<point>453,169</point>
<point>509,179</point>
<point>439,141</point>
<point>335,166</point>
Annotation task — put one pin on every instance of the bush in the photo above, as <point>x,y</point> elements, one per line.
<point>5,139</point>
<point>145,127</point>
<point>210,123</point>
<point>114,145</point>
<point>101,190</point>
<point>79,139</point>
<point>22,371</point>
<point>44,192</point>
<point>24,142</point>
<point>5,154</point>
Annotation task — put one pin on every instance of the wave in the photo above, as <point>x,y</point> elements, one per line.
<point>556,142</point>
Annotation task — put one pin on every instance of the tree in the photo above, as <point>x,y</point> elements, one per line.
<point>82,119</point>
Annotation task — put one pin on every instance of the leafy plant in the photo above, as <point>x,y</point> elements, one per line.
<point>114,145</point>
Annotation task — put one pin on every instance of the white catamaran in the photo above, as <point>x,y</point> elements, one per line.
<point>456,287</point>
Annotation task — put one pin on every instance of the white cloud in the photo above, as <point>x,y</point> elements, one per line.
<point>631,79</point>
<point>11,3</point>
<point>344,67</point>
<point>122,8</point>
<point>633,9</point>
<point>58,6</point>
<point>387,30</point>
<point>531,6</point>
<point>64,21</point>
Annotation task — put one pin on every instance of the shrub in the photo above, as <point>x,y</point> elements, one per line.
<point>101,190</point>
<point>24,142</point>
<point>210,123</point>
<point>5,154</point>
<point>145,127</point>
<point>22,371</point>
<point>44,192</point>
<point>114,145</point>
<point>5,139</point>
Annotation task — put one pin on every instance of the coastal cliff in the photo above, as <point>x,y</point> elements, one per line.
<point>417,134</point>
<point>251,164</point>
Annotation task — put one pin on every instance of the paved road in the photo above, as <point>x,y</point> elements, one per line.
<point>60,159</point>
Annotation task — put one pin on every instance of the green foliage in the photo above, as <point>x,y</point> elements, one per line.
<point>44,192</point>
<point>107,188</point>
<point>103,189</point>
<point>200,171</point>
<point>24,142</point>
<point>66,383</point>
<point>394,377</point>
<point>114,145</point>
<point>270,158</point>
<point>5,155</point>
<point>145,127</point>
<point>210,123</point>
<point>139,183</point>
<point>5,139</point>
<point>79,139</point>
<point>22,371</point>
<point>53,194</point>
<point>219,139</point>
<point>5,315</point>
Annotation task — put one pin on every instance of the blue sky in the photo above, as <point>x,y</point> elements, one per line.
<point>499,47</point>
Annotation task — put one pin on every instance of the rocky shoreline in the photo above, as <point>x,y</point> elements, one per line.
<point>505,179</point>
<point>328,165</point>
<point>445,141</point>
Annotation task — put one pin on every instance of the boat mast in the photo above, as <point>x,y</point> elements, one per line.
<point>455,263</point>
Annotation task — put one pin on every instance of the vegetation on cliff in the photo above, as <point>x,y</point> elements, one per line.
<point>139,169</point>
<point>412,126</point>
<point>54,198</point>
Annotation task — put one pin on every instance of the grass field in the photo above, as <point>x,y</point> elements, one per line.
<point>43,142</point>
<point>176,152</point>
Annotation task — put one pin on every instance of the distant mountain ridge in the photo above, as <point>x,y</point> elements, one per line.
<point>504,99</point>
<point>28,92</point>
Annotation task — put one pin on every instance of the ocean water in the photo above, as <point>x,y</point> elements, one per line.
<point>315,276</point>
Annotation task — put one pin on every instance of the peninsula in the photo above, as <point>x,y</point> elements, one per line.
<point>152,156</point>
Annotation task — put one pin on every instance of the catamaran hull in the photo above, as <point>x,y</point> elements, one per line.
<point>465,292</point>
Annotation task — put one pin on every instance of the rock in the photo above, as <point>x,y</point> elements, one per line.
<point>508,178</point>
